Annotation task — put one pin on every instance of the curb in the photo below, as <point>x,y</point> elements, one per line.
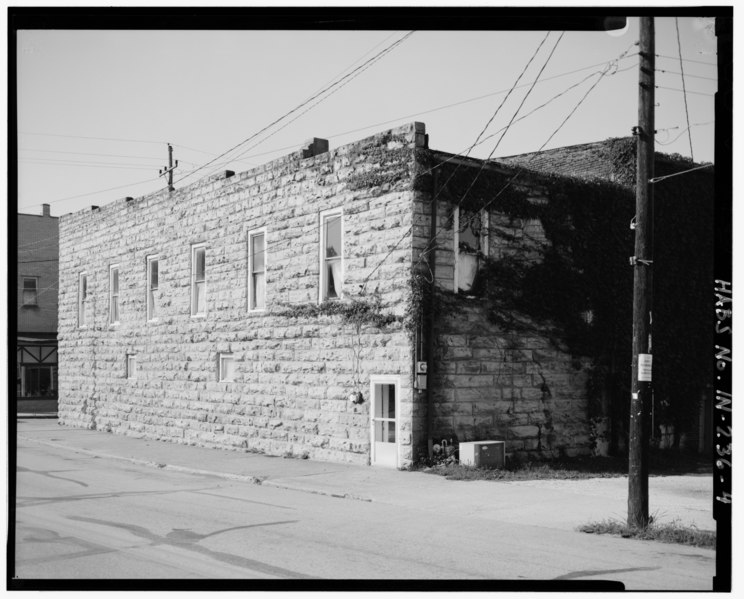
<point>150,464</point>
<point>255,480</point>
<point>291,487</point>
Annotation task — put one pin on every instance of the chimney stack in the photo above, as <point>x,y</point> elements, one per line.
<point>314,147</point>
<point>45,210</point>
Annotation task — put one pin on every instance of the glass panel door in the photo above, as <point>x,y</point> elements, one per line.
<point>384,425</point>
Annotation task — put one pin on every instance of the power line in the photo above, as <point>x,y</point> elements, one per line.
<point>296,108</point>
<point>666,143</point>
<point>667,72</point>
<point>533,154</point>
<point>350,77</point>
<point>54,162</point>
<point>511,122</point>
<point>697,168</point>
<point>431,241</point>
<point>142,141</point>
<point>710,64</point>
<point>354,75</point>
<point>82,195</point>
<point>675,89</point>
<point>687,113</point>
<point>89,154</point>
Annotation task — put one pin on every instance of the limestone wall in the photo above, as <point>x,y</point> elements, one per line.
<point>487,382</point>
<point>293,372</point>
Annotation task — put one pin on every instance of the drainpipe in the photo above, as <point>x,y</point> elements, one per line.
<point>429,317</point>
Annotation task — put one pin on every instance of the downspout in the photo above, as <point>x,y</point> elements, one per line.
<point>429,317</point>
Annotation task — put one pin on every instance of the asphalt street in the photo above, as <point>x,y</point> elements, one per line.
<point>79,516</point>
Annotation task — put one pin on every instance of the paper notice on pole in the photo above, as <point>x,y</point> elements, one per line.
<point>644,368</point>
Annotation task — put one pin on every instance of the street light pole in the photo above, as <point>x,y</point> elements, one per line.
<point>641,399</point>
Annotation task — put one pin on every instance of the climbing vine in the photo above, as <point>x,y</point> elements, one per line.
<point>579,289</point>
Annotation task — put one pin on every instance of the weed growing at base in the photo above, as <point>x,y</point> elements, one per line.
<point>672,532</point>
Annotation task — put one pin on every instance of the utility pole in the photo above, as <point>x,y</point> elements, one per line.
<point>641,398</point>
<point>169,169</point>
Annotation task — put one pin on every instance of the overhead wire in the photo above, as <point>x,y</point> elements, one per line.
<point>666,143</point>
<point>522,168</point>
<point>452,105</point>
<point>353,75</point>
<point>82,195</point>
<point>689,170</point>
<point>429,245</point>
<point>142,141</point>
<point>676,89</point>
<point>687,113</point>
<point>710,64</point>
<point>302,104</point>
<point>348,132</point>
<point>609,70</point>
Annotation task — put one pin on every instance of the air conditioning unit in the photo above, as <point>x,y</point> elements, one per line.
<point>491,454</point>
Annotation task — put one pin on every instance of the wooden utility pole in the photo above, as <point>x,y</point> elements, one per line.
<point>642,262</point>
<point>169,169</point>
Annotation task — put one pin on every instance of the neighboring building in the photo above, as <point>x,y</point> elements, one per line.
<point>683,304</point>
<point>38,252</point>
<point>322,305</point>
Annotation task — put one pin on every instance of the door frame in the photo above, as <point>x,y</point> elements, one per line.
<point>384,379</point>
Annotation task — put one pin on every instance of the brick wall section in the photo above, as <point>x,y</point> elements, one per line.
<point>294,374</point>
<point>38,250</point>
<point>487,383</point>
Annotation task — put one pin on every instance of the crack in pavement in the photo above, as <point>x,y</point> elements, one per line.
<point>186,539</point>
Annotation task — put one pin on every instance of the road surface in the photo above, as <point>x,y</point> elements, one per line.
<point>80,517</point>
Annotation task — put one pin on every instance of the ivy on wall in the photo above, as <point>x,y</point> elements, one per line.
<point>580,291</point>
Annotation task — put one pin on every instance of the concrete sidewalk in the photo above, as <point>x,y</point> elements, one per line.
<point>559,504</point>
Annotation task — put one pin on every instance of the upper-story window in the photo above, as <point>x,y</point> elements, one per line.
<point>114,294</point>
<point>471,246</point>
<point>198,280</point>
<point>30,291</point>
<point>152,286</point>
<point>257,270</point>
<point>82,298</point>
<point>331,255</point>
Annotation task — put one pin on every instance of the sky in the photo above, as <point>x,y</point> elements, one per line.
<point>96,109</point>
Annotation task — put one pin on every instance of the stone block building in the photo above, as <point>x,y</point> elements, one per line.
<point>335,304</point>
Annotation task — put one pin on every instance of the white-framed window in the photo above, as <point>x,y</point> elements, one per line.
<point>199,280</point>
<point>470,245</point>
<point>131,366</point>
<point>257,270</point>
<point>152,286</point>
<point>114,294</point>
<point>82,298</point>
<point>30,291</point>
<point>331,255</point>
<point>226,368</point>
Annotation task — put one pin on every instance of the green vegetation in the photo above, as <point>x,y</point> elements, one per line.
<point>661,463</point>
<point>672,532</point>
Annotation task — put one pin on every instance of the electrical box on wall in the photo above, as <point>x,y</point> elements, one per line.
<point>483,453</point>
<point>421,368</point>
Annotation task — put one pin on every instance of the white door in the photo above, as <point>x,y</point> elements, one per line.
<point>384,422</point>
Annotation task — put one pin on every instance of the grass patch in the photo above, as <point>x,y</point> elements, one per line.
<point>672,532</point>
<point>529,471</point>
<point>660,463</point>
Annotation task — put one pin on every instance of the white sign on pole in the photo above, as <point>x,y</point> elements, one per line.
<point>644,368</point>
